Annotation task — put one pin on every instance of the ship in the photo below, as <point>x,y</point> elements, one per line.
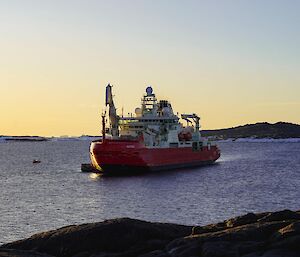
<point>150,140</point>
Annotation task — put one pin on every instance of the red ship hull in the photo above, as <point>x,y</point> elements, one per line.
<point>123,156</point>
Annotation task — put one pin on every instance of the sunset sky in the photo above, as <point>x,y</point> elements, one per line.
<point>232,62</point>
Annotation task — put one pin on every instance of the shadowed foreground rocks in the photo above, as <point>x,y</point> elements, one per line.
<point>275,234</point>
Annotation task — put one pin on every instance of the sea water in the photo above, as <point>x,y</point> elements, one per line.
<point>249,177</point>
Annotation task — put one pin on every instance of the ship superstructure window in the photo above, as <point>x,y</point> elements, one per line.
<point>174,145</point>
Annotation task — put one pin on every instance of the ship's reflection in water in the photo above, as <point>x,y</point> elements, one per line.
<point>95,176</point>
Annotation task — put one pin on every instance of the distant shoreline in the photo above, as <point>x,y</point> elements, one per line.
<point>30,139</point>
<point>258,132</point>
<point>43,139</point>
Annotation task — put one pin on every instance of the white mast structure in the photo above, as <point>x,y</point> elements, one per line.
<point>113,117</point>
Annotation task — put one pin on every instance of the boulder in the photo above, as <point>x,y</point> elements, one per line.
<point>242,220</point>
<point>281,215</point>
<point>292,229</point>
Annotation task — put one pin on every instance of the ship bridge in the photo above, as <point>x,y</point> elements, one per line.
<point>154,119</point>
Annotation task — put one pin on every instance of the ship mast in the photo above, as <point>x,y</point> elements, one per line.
<point>103,126</point>
<point>149,102</point>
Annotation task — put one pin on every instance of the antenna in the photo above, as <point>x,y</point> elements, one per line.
<point>103,125</point>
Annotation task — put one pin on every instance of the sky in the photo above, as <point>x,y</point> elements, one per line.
<point>233,62</point>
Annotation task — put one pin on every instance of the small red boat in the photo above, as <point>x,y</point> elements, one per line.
<point>151,140</point>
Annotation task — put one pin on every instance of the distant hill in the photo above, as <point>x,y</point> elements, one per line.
<point>258,130</point>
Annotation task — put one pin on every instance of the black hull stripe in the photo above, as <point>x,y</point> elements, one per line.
<point>131,170</point>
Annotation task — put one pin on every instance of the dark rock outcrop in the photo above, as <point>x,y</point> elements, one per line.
<point>21,253</point>
<point>252,235</point>
<point>112,237</point>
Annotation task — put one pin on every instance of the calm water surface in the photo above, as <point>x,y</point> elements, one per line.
<point>249,177</point>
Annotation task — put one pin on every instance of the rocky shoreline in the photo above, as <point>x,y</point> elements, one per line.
<point>269,234</point>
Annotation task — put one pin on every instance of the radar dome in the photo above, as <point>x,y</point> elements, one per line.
<point>149,90</point>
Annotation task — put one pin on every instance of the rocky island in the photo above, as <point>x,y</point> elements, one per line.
<point>24,138</point>
<point>269,234</point>
<point>257,130</point>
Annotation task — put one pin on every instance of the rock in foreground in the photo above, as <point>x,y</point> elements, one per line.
<point>265,234</point>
